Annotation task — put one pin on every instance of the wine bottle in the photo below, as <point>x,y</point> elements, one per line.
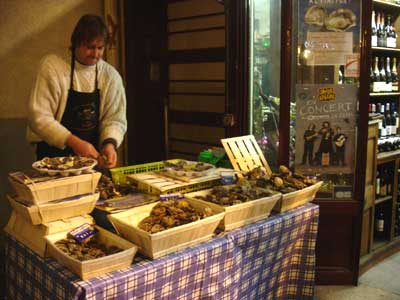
<point>383,130</point>
<point>384,33</point>
<point>374,35</point>
<point>382,73</point>
<point>388,74</point>
<point>390,41</point>
<point>379,224</point>
<point>379,31</point>
<point>376,86</point>
<point>395,77</point>
<point>396,119</point>
<point>378,183</point>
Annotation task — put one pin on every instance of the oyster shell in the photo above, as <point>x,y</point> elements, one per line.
<point>315,15</point>
<point>340,20</point>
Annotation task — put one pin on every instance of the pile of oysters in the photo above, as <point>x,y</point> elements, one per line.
<point>285,181</point>
<point>108,189</point>
<point>64,163</point>
<point>85,251</point>
<point>171,213</point>
<point>236,194</point>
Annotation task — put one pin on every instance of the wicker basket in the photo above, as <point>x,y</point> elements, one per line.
<point>242,214</point>
<point>94,267</point>
<point>170,240</point>
<point>65,187</point>
<point>33,236</point>
<point>48,212</point>
<point>297,198</point>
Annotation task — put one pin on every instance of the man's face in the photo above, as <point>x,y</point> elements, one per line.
<point>90,53</point>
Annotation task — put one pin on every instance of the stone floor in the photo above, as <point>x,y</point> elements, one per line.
<point>380,282</point>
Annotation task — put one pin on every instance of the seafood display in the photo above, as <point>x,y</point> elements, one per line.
<point>85,251</point>
<point>171,213</point>
<point>185,168</point>
<point>237,194</point>
<point>108,189</point>
<point>65,165</point>
<point>285,181</point>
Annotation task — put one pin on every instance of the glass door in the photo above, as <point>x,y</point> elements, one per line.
<point>264,75</point>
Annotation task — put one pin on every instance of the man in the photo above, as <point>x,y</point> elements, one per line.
<point>309,138</point>
<point>340,142</point>
<point>78,104</point>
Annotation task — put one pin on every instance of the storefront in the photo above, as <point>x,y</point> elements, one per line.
<point>295,74</point>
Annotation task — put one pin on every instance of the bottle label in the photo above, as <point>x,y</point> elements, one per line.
<point>374,41</point>
<point>376,87</point>
<point>378,186</point>
<point>380,225</point>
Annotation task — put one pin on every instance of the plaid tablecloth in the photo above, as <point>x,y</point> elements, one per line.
<point>270,259</point>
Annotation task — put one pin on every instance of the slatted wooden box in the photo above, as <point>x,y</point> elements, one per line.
<point>170,240</point>
<point>60,188</point>
<point>34,236</point>
<point>94,267</point>
<point>241,214</point>
<point>158,183</point>
<point>245,155</point>
<point>51,211</point>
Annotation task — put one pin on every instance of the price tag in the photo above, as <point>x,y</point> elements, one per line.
<point>83,233</point>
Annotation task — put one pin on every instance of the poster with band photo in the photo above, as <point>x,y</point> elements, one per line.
<point>325,128</point>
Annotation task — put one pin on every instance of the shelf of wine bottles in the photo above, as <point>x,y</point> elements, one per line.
<point>383,33</point>
<point>389,122</point>
<point>384,76</point>
<point>384,181</point>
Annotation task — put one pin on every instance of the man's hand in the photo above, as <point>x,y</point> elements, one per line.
<point>81,147</point>
<point>108,158</point>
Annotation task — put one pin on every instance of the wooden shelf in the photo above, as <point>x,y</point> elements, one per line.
<point>383,94</point>
<point>385,49</point>
<point>385,3</point>
<point>383,199</point>
<point>388,155</point>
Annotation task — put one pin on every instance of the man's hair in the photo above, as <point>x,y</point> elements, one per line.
<point>88,28</point>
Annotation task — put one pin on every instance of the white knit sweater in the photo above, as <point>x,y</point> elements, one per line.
<point>49,97</point>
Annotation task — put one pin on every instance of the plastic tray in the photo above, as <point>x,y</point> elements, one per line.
<point>119,174</point>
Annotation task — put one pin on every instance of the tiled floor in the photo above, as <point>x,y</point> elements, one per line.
<point>380,282</point>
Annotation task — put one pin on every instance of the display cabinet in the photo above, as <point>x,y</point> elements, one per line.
<point>380,230</point>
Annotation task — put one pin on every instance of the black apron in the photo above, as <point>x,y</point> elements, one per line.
<point>81,117</point>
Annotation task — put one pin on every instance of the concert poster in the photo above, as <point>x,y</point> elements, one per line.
<point>325,128</point>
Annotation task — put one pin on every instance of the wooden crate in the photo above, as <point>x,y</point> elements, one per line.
<point>245,154</point>
<point>170,240</point>
<point>297,198</point>
<point>156,183</point>
<point>33,236</point>
<point>94,267</point>
<point>48,212</point>
<point>241,214</point>
<point>65,187</point>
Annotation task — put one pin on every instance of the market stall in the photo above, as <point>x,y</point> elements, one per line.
<point>273,258</point>
<point>182,230</point>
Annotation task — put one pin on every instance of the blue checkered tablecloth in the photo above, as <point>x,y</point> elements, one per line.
<point>270,259</point>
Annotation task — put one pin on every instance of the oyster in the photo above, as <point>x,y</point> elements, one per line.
<point>315,15</point>
<point>171,213</point>
<point>86,251</point>
<point>340,20</point>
